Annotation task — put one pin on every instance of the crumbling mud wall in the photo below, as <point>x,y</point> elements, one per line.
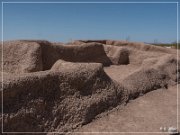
<point>135,45</point>
<point>58,100</point>
<point>30,56</point>
<point>21,57</point>
<point>55,87</point>
<point>92,52</point>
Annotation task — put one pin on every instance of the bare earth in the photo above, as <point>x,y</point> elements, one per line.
<point>120,72</point>
<point>146,114</point>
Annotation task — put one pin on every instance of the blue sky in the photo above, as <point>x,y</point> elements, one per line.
<point>65,22</point>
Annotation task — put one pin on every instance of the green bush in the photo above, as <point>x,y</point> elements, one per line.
<point>173,45</point>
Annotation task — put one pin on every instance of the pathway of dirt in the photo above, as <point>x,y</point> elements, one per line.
<point>119,72</point>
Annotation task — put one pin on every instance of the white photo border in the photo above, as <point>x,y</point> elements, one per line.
<point>2,39</point>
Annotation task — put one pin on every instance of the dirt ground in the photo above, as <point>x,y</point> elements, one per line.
<point>118,73</point>
<point>145,114</point>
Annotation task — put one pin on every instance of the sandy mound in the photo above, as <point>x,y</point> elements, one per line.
<point>56,87</point>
